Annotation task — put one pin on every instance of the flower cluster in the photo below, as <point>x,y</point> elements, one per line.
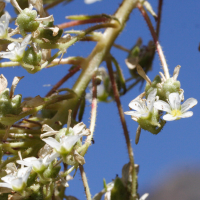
<point>147,111</point>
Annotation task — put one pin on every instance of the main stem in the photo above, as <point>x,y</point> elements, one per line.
<point>92,62</point>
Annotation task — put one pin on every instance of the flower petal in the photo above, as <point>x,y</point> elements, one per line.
<point>69,141</point>
<point>52,142</point>
<point>137,105</point>
<point>78,128</point>
<point>133,113</point>
<point>175,101</point>
<point>151,99</point>
<point>187,114</point>
<point>189,103</point>
<point>169,117</point>
<point>6,185</point>
<point>162,105</point>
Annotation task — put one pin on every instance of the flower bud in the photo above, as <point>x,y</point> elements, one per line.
<point>26,21</point>
<point>9,105</point>
<point>48,33</point>
<point>51,172</point>
<point>32,58</point>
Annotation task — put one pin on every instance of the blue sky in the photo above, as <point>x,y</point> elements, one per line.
<point>177,146</point>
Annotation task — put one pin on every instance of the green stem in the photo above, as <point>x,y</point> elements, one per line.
<point>92,62</point>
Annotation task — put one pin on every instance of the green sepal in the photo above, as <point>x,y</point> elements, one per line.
<point>152,123</point>
<point>119,191</point>
<point>26,21</point>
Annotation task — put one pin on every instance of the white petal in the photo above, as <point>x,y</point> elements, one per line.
<point>151,99</point>
<point>6,185</point>
<point>27,173</point>
<point>8,55</point>
<point>78,128</point>
<point>17,182</point>
<point>169,117</point>
<point>189,103</point>
<point>187,114</point>
<point>162,105</point>
<point>8,178</point>
<point>175,101</point>
<point>144,196</point>
<point>52,142</point>
<point>90,1</point>
<point>69,141</point>
<point>133,113</point>
<point>137,105</point>
<point>49,158</point>
<point>26,41</point>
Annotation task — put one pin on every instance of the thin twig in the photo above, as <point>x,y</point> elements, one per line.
<point>155,38</point>
<point>159,17</point>
<point>85,183</point>
<point>121,47</point>
<point>126,134</point>
<point>81,22</point>
<point>51,5</point>
<point>64,79</point>
<point>94,108</point>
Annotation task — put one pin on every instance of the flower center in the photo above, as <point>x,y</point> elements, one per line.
<point>176,113</point>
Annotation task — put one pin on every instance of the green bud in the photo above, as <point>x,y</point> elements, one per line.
<point>31,178</point>
<point>51,172</point>
<point>9,105</point>
<point>48,34</point>
<point>26,21</point>
<point>168,87</point>
<point>171,86</point>
<point>119,191</point>
<point>32,58</point>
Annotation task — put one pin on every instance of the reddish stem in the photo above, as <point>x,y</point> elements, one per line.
<point>80,22</point>
<point>155,38</point>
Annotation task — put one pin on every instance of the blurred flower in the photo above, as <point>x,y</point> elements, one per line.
<point>90,1</point>
<point>16,181</point>
<point>174,108</point>
<point>4,22</point>
<point>38,164</point>
<point>142,109</point>
<point>16,50</point>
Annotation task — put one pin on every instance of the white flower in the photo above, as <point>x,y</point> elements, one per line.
<point>142,109</point>
<point>66,143</point>
<point>4,22</point>
<point>16,50</point>
<point>38,164</point>
<point>90,1</point>
<point>174,108</point>
<point>16,181</point>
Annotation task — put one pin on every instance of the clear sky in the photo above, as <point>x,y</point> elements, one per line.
<point>178,145</point>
